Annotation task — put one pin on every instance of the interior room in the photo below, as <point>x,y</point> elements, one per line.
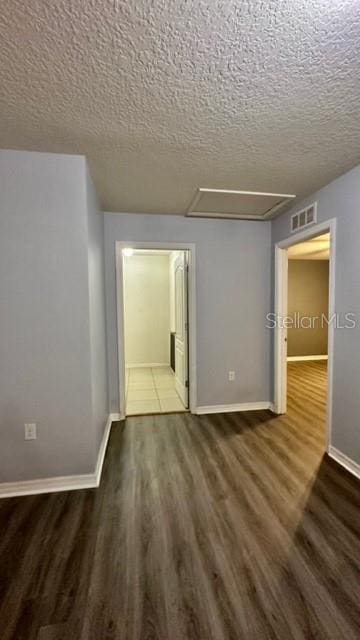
<point>150,337</point>
<point>178,182</point>
<point>307,335</point>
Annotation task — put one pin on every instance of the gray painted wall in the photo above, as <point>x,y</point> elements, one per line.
<point>45,354</point>
<point>52,332</point>
<point>233,298</point>
<point>308,287</point>
<point>96,273</point>
<point>341,200</point>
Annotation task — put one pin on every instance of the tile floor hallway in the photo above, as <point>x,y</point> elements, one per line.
<point>151,390</point>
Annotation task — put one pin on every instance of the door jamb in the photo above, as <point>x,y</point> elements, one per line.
<point>281,307</point>
<point>171,246</point>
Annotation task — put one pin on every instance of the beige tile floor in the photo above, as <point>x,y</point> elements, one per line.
<point>151,390</point>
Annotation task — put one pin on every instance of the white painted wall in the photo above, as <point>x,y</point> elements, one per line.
<point>147,309</point>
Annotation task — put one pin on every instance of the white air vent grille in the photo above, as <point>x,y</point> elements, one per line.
<point>304,218</point>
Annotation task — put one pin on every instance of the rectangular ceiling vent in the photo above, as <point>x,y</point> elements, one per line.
<point>240,205</point>
<point>304,218</point>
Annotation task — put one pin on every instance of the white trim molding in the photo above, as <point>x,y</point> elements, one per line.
<point>117,417</point>
<point>229,408</point>
<point>346,462</point>
<point>62,483</point>
<point>113,417</point>
<point>303,358</point>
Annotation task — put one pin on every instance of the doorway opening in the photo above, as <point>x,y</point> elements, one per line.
<point>304,317</point>
<point>155,321</point>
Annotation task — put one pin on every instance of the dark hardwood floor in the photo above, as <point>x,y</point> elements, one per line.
<point>222,527</point>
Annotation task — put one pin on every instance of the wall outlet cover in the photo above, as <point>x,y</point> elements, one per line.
<point>30,431</point>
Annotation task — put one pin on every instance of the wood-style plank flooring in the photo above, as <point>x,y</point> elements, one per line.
<point>222,527</point>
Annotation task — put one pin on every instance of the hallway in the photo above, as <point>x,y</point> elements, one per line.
<point>151,390</point>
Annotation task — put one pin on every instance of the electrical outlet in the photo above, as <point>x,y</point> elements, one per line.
<point>30,431</point>
<point>231,376</point>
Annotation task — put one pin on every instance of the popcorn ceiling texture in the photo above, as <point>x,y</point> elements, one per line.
<point>168,95</point>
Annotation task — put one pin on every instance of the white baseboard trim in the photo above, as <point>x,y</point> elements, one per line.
<point>345,462</point>
<point>272,407</point>
<point>300,358</point>
<point>62,483</point>
<point>117,417</point>
<point>147,365</point>
<point>228,408</point>
<point>103,446</point>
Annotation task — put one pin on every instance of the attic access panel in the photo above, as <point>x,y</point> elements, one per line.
<point>223,203</point>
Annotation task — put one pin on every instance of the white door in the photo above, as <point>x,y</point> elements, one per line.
<point>181,329</point>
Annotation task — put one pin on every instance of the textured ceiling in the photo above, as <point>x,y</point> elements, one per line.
<point>166,96</point>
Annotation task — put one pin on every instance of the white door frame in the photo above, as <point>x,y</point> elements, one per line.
<point>181,384</point>
<point>281,310</point>
<point>171,246</point>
